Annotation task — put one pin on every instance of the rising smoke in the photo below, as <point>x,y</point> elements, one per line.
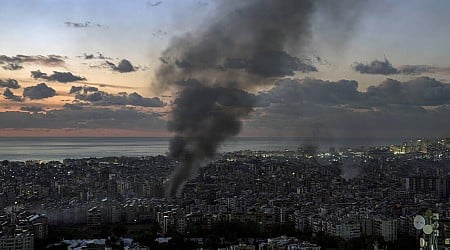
<point>350,168</point>
<point>251,44</point>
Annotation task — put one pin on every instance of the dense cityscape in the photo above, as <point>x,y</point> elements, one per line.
<point>225,125</point>
<point>364,198</point>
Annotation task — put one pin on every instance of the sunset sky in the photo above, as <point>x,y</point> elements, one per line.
<point>88,68</point>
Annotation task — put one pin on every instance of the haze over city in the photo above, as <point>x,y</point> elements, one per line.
<point>224,124</point>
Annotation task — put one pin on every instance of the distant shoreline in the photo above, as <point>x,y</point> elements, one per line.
<point>59,148</point>
<point>275,138</point>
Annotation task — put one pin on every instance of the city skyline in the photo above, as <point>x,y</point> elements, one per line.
<point>381,71</point>
<point>349,198</point>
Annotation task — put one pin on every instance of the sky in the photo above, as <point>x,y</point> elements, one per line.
<point>368,69</point>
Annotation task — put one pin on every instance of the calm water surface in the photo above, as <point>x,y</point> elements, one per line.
<point>59,148</point>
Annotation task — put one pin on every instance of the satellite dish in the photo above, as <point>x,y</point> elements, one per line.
<point>423,243</point>
<point>419,222</point>
<point>427,229</point>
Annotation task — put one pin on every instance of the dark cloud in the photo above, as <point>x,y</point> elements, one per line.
<point>39,91</point>
<point>137,100</point>
<point>63,77</point>
<point>87,117</point>
<point>15,62</point>
<point>251,43</point>
<point>422,91</point>
<point>33,109</point>
<point>416,69</point>
<point>75,89</point>
<point>37,74</point>
<point>85,89</point>
<point>124,66</point>
<point>95,97</point>
<point>390,121</point>
<point>101,98</point>
<point>74,106</point>
<point>89,89</point>
<point>386,68</point>
<point>387,92</point>
<point>315,108</point>
<point>111,85</point>
<point>376,67</point>
<point>98,55</point>
<point>12,66</point>
<point>313,91</point>
<point>271,63</point>
<point>8,94</point>
<point>9,83</point>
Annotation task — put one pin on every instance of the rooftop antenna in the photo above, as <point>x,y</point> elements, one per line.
<point>429,226</point>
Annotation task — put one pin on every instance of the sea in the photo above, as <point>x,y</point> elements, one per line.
<point>60,148</point>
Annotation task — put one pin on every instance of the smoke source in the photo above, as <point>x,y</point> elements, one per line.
<point>248,46</point>
<point>350,168</point>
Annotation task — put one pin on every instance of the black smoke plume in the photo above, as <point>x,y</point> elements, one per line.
<point>203,117</point>
<point>249,45</point>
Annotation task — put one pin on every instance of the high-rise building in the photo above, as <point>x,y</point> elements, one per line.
<point>387,228</point>
<point>94,218</point>
<point>24,241</point>
<point>348,230</point>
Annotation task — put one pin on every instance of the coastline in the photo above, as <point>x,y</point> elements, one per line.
<point>59,148</point>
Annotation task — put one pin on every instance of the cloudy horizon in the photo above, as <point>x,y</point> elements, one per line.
<point>366,69</point>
